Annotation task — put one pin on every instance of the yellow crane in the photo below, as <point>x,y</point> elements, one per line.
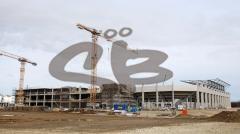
<point>19,94</point>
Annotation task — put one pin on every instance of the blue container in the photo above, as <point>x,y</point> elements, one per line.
<point>133,109</point>
<point>115,106</point>
<point>124,107</point>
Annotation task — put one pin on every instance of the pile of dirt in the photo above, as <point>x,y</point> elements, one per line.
<point>227,116</point>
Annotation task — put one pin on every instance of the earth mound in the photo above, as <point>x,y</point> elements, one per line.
<point>227,116</point>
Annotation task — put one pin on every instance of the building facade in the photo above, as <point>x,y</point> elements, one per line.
<point>195,94</point>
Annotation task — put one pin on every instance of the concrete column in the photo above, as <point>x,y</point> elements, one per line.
<point>191,100</point>
<point>221,101</point>
<point>216,97</point>
<point>202,100</point>
<point>60,102</point>
<point>213,100</point>
<point>30,95</point>
<point>70,98</point>
<point>229,102</point>
<point>224,102</point>
<point>227,105</point>
<point>157,97</point>
<point>216,104</point>
<point>148,104</point>
<point>197,97</point>
<point>162,104</point>
<point>173,97</point>
<point>142,98</point>
<point>52,100</point>
<point>80,97</point>
<point>36,98</point>
<point>210,100</point>
<point>206,100</point>
<point>44,98</point>
<point>226,99</point>
<point>220,104</point>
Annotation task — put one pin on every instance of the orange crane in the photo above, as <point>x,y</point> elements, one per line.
<point>19,94</point>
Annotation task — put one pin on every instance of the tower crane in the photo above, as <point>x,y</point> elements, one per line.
<point>23,61</point>
<point>95,34</point>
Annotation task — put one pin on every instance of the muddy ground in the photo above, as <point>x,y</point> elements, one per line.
<point>40,122</point>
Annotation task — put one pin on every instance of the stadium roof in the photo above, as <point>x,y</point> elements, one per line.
<point>210,82</point>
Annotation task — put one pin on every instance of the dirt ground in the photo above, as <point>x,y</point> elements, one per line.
<point>40,122</point>
<point>189,128</point>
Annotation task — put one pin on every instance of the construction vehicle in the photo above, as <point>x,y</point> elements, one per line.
<point>19,93</point>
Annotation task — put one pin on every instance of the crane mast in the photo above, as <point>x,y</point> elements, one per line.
<point>23,61</point>
<point>93,91</point>
<point>95,34</point>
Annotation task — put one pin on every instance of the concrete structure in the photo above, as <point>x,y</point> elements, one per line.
<point>116,94</point>
<point>6,100</point>
<point>65,97</point>
<point>72,97</point>
<point>197,94</point>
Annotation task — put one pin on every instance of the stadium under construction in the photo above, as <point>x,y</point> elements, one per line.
<point>193,94</point>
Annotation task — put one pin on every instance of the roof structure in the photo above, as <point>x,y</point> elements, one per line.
<point>212,83</point>
<point>221,82</point>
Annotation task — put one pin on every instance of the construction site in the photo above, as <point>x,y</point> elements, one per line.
<point>60,101</point>
<point>200,94</point>
<point>119,108</point>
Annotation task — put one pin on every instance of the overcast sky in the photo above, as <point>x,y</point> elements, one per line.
<point>201,38</point>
